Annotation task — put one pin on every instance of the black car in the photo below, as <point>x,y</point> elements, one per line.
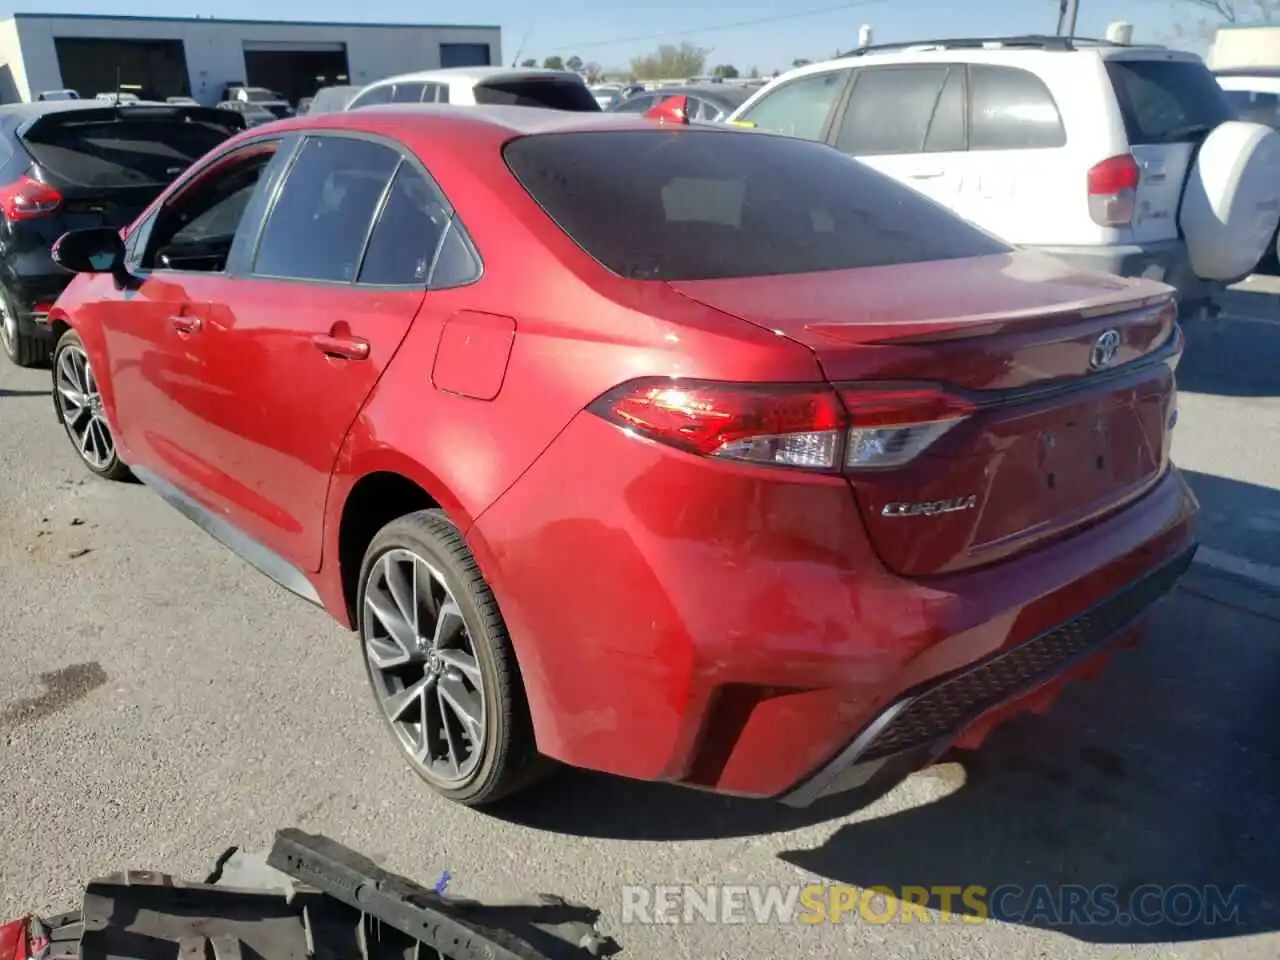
<point>708,102</point>
<point>79,163</point>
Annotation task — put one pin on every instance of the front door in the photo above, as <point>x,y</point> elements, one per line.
<point>177,260</point>
<point>300,336</point>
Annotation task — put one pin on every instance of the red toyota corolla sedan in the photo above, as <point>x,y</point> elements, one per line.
<point>687,453</point>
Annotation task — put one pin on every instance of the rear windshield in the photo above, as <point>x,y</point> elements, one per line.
<point>122,153</point>
<point>1167,101</point>
<point>704,204</point>
<point>550,94</point>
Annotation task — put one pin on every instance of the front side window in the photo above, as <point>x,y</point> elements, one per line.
<point>317,227</point>
<point>716,203</point>
<point>195,229</point>
<point>372,97</point>
<point>800,107</point>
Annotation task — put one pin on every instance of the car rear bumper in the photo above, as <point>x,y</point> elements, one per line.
<point>924,722</point>
<point>1166,261</point>
<point>729,628</point>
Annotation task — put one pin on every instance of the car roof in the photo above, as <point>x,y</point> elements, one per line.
<point>472,75</point>
<point>494,123</point>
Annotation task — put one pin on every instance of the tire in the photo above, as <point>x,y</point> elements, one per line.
<point>109,467</point>
<point>428,544</point>
<point>22,349</point>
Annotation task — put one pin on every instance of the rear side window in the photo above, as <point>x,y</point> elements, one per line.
<point>317,227</point>
<point>890,110</point>
<point>708,203</point>
<point>550,94</point>
<point>800,107</point>
<point>1011,109</point>
<point>371,97</point>
<point>122,153</point>
<point>409,228</point>
<point>1167,101</point>
<point>407,93</point>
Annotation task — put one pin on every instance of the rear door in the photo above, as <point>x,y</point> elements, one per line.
<point>908,122</point>
<point>298,338</point>
<point>1017,160</point>
<point>1169,105</point>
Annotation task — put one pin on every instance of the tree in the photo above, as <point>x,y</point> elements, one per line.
<point>670,62</point>
<point>553,63</point>
<point>1212,14</point>
<point>529,63</point>
<point>574,63</point>
<point>726,70</point>
<point>800,62</point>
<point>754,73</point>
<point>593,72</point>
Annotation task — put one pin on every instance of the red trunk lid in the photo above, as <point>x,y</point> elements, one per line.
<point>1073,411</point>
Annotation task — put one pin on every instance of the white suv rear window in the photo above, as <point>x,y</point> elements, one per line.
<point>1168,101</point>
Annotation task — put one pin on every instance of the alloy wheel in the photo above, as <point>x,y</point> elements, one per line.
<point>8,327</point>
<point>80,403</point>
<point>423,665</point>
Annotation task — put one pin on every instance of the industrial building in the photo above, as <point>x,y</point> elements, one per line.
<point>158,57</point>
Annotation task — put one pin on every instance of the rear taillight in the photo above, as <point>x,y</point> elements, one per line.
<point>810,427</point>
<point>1113,191</point>
<point>28,199</point>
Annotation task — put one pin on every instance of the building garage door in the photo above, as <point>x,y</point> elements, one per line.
<point>151,69</point>
<point>296,70</point>
<point>464,55</point>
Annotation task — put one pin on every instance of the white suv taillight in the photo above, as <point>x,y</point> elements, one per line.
<point>1113,191</point>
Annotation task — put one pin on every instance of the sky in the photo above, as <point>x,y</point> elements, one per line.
<point>765,34</point>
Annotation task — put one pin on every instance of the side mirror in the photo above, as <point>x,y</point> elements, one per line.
<point>92,250</point>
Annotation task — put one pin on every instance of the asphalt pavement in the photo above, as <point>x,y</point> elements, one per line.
<point>160,701</point>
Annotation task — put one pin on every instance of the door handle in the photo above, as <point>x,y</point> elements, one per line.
<point>344,348</point>
<point>925,174</point>
<point>185,323</point>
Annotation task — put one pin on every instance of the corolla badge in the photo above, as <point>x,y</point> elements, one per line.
<point>1105,349</point>
<point>930,508</point>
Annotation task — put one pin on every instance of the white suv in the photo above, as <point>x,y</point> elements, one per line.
<point>1126,159</point>
<point>469,86</point>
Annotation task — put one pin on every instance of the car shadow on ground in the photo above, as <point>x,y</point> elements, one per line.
<point>1153,789</point>
<point>1234,357</point>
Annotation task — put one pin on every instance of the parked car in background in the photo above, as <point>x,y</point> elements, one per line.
<point>268,100</point>
<point>332,99</point>
<point>775,423</point>
<point>182,101</point>
<point>116,97</point>
<point>53,95</point>
<point>606,94</point>
<point>496,86</point>
<point>304,105</point>
<point>1126,159</point>
<point>707,103</point>
<point>80,163</point>
<point>254,114</point>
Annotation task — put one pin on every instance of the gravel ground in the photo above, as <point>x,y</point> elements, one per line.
<point>162,701</point>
